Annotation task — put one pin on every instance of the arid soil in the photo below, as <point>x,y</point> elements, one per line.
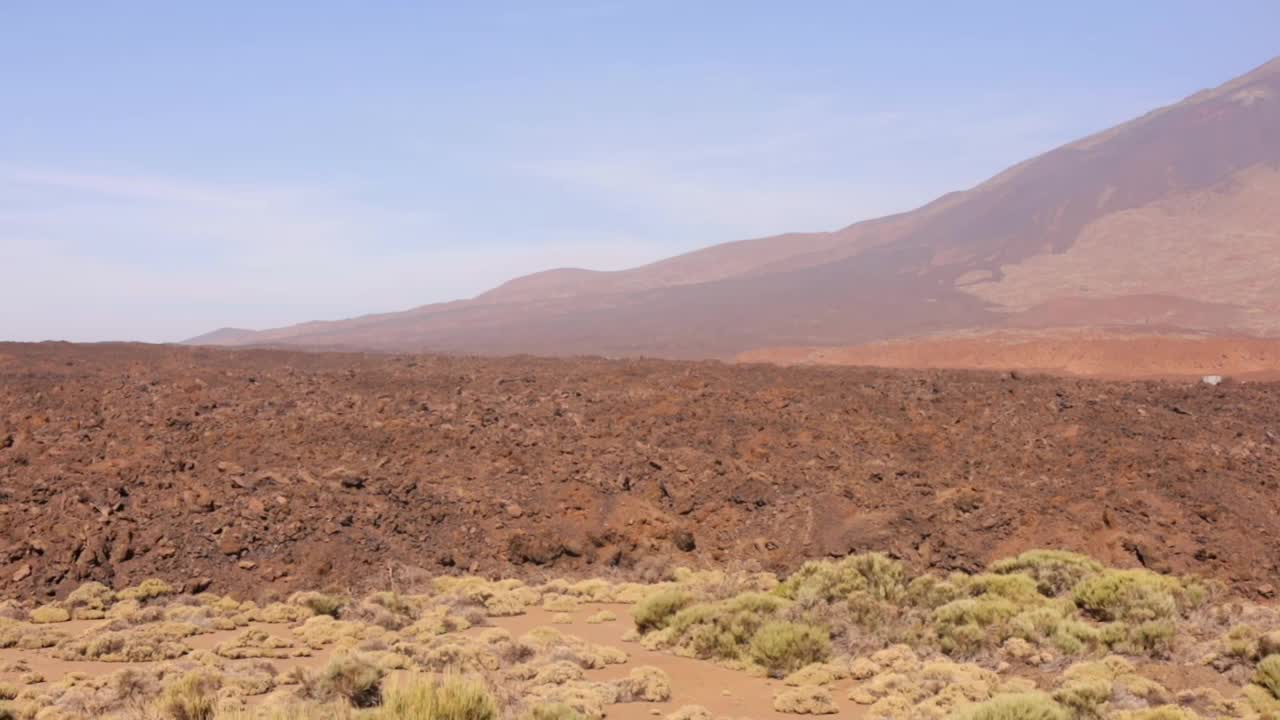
<point>1061,351</point>
<point>259,472</point>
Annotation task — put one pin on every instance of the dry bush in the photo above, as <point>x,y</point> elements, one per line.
<point>259,644</point>
<point>160,641</point>
<point>1268,675</point>
<point>354,679</point>
<point>191,697</point>
<point>1019,706</point>
<point>148,589</point>
<point>805,701</point>
<point>644,684</point>
<point>47,614</point>
<point>454,698</point>
<point>690,712</point>
<point>320,603</point>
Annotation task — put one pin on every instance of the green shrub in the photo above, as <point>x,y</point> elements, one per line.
<point>782,648</point>
<point>191,697</point>
<point>1268,675</point>
<point>1017,706</point>
<point>454,698</point>
<point>1134,596</point>
<point>967,625</point>
<point>1054,571</point>
<point>826,581</point>
<point>723,629</point>
<point>354,679</point>
<point>653,612</point>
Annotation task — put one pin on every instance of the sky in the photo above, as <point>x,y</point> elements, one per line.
<point>171,168</point>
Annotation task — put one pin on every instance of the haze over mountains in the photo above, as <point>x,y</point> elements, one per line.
<point>1168,223</point>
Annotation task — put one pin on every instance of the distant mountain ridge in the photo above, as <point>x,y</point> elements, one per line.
<point>1168,222</point>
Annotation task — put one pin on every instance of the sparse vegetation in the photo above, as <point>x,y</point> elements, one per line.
<point>897,644</point>
<point>1023,706</point>
<point>355,679</point>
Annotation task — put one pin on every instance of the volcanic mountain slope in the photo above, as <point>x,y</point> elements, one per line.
<point>1171,221</point>
<point>263,471</point>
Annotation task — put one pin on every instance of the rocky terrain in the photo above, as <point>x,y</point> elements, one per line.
<point>259,472</point>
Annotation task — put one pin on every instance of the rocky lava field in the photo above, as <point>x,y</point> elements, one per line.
<point>257,472</point>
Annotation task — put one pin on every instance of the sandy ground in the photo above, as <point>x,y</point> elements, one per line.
<point>725,692</point>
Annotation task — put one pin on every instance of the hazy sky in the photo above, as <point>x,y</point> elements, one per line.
<point>167,168</point>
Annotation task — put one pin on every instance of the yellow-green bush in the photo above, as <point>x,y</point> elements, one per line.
<point>653,612</point>
<point>354,679</point>
<point>148,589</point>
<point>826,581</point>
<point>1134,595</point>
<point>1268,675</point>
<point>722,629</point>
<point>46,614</point>
<point>782,648</point>
<point>1054,571</point>
<point>90,601</point>
<point>1017,706</point>
<point>191,697</point>
<point>454,698</point>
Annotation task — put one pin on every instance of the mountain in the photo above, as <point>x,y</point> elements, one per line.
<point>1170,222</point>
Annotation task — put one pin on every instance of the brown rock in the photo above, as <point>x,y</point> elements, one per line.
<point>23,573</point>
<point>230,544</point>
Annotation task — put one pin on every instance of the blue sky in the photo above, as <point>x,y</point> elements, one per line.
<point>169,168</point>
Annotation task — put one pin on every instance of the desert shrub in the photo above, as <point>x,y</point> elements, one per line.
<point>1017,706</point>
<point>46,614</point>
<point>653,612</point>
<point>90,601</point>
<point>689,712</point>
<point>1268,675</point>
<point>1134,596</point>
<point>805,701</point>
<point>604,616</point>
<point>258,644</point>
<point>6,713</point>
<point>723,629</point>
<point>874,573</point>
<point>454,698</point>
<point>966,625</point>
<point>320,603</point>
<point>1084,696</point>
<point>784,647</point>
<point>148,589</point>
<point>161,641</point>
<point>1163,712</point>
<point>1054,571</point>
<point>644,684</point>
<point>354,679</point>
<point>552,711</point>
<point>191,697</point>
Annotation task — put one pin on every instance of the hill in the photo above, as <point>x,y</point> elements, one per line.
<point>1170,222</point>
